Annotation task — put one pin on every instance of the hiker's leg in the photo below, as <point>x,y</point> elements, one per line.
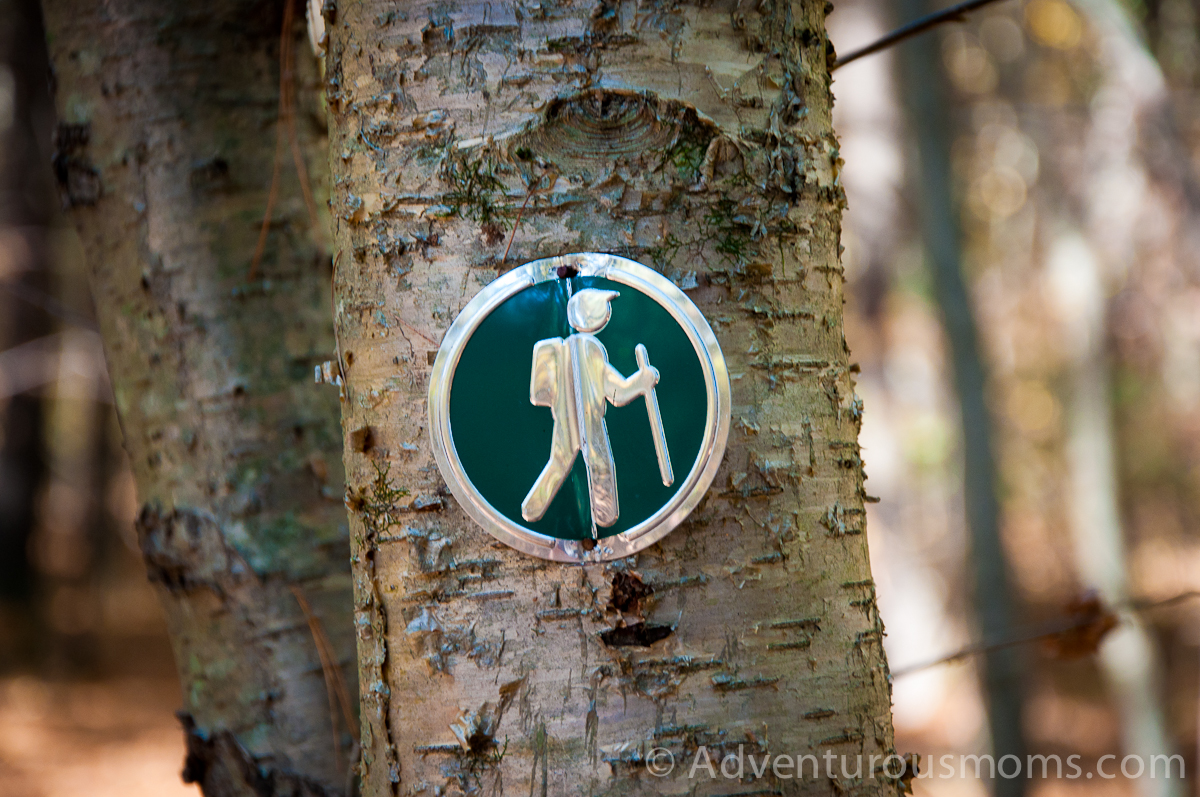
<point>602,478</point>
<point>562,456</point>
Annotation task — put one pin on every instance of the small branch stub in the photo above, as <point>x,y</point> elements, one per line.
<point>327,373</point>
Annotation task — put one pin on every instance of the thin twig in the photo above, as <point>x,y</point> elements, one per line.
<point>516,224</point>
<point>49,304</point>
<point>952,14</point>
<point>298,159</point>
<point>1048,633</point>
<point>416,331</point>
<point>981,648</point>
<point>1142,606</point>
<point>285,74</point>
<point>335,681</point>
<point>352,770</point>
<point>327,671</point>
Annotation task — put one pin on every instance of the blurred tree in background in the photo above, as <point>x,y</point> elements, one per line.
<point>1070,162</point>
<point>164,153</point>
<point>1073,138</point>
<point>26,205</point>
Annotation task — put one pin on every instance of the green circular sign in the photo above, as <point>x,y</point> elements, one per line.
<point>579,407</point>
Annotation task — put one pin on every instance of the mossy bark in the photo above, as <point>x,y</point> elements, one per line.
<point>165,149</point>
<point>694,138</point>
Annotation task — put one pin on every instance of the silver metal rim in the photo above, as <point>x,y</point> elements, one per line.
<point>716,428</point>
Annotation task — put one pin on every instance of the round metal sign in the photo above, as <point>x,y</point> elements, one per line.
<point>579,407</point>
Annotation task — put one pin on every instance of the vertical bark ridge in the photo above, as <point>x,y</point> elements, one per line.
<point>696,139</point>
<point>165,147</point>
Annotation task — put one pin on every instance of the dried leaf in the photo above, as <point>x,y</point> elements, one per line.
<point>1092,622</point>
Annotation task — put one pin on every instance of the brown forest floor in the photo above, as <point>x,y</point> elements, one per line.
<point>95,716</point>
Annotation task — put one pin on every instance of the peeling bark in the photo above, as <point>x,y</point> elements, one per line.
<point>696,139</point>
<point>164,155</point>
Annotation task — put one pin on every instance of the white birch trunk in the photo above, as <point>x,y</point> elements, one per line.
<point>695,139</point>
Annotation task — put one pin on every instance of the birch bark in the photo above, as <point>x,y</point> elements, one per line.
<point>694,138</point>
<point>165,146</point>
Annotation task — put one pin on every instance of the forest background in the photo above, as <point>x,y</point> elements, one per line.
<point>1073,136</point>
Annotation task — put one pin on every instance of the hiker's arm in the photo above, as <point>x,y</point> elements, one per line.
<point>543,377</point>
<point>621,390</point>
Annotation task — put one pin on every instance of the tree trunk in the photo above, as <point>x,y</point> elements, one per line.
<point>994,598</point>
<point>165,151</point>
<point>1085,257</point>
<point>696,139</point>
<point>26,205</point>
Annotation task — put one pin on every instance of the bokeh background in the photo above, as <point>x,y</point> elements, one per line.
<point>1072,131</point>
<point>88,688</point>
<point>1072,135</point>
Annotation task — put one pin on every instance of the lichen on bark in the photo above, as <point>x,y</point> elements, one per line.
<point>693,138</point>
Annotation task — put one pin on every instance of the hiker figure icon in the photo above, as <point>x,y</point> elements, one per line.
<point>573,377</point>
